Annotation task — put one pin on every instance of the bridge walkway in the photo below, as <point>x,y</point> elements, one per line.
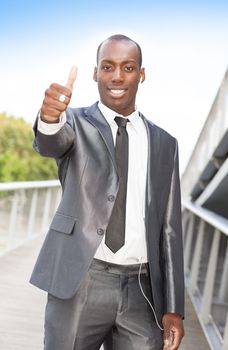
<point>22,305</point>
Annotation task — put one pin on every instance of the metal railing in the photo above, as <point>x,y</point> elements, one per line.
<point>206,270</point>
<point>213,133</point>
<point>26,209</point>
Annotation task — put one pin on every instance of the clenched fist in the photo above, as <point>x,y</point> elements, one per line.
<point>57,97</point>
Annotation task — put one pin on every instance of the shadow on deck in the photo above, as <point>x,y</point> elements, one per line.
<point>22,305</point>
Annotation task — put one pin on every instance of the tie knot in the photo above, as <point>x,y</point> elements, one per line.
<point>121,122</point>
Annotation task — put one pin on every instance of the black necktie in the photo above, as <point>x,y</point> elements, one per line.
<point>115,234</point>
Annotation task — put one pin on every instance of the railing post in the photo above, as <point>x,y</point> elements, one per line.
<point>210,279</point>
<point>188,243</point>
<point>46,212</point>
<point>21,208</point>
<point>225,338</point>
<point>223,290</point>
<point>13,219</point>
<point>32,213</point>
<point>185,216</point>
<point>58,197</point>
<point>196,258</point>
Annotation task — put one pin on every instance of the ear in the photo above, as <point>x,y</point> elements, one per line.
<point>142,75</point>
<point>95,74</point>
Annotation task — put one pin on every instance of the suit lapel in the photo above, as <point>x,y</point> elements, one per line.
<point>96,118</point>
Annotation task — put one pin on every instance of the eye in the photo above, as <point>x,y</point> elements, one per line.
<point>107,68</point>
<point>128,69</point>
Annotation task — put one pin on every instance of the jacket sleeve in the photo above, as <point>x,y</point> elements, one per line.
<point>173,246</point>
<point>58,144</point>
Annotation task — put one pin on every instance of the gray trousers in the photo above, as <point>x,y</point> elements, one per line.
<point>108,309</point>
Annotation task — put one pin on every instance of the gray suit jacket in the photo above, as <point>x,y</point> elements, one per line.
<point>84,150</point>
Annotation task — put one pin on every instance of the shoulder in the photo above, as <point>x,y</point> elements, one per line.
<point>75,116</point>
<point>73,113</point>
<point>82,111</point>
<point>157,131</point>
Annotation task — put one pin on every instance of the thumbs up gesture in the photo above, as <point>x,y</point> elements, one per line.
<point>57,97</point>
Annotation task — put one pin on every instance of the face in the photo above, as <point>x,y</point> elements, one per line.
<point>118,74</point>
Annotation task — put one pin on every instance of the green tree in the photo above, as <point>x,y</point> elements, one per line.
<point>18,160</point>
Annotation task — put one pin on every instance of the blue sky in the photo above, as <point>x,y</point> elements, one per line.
<point>38,20</point>
<point>185,49</point>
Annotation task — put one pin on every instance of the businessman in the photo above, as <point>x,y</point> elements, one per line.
<point>112,259</point>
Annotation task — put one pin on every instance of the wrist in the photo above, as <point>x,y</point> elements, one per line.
<point>49,120</point>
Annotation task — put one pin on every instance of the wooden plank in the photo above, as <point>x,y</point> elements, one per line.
<point>194,337</point>
<point>21,304</point>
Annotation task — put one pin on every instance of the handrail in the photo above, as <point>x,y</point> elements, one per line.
<point>206,270</point>
<point>8,186</point>
<point>26,209</point>
<point>212,133</point>
<point>210,217</point>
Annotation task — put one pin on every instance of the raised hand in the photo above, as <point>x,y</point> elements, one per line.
<point>57,97</point>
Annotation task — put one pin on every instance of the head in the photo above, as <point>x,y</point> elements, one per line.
<point>118,73</point>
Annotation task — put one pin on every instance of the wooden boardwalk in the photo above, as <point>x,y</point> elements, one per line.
<point>22,305</point>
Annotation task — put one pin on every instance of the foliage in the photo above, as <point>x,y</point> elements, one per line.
<point>18,160</point>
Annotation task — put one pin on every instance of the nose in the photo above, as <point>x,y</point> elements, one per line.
<point>117,75</point>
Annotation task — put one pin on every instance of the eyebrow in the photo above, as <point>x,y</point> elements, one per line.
<point>124,62</point>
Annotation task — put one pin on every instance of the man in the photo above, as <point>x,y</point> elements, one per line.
<point>112,260</point>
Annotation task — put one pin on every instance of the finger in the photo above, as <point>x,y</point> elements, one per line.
<point>52,94</point>
<point>56,103</point>
<point>72,77</point>
<point>51,111</point>
<point>56,90</point>
<point>176,340</point>
<point>172,342</point>
<point>167,344</point>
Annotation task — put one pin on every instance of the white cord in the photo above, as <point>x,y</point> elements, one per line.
<point>140,285</point>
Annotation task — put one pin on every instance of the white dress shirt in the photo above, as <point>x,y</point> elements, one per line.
<point>134,249</point>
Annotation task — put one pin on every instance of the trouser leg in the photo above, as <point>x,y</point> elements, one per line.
<point>135,327</point>
<point>99,313</point>
<point>62,318</point>
<point>108,307</point>
<point>82,322</point>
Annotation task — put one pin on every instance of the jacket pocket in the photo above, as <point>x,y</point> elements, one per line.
<point>63,223</point>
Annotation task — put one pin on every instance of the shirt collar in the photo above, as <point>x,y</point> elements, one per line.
<point>109,115</point>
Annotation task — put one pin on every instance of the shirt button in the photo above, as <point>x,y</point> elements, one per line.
<point>100,231</point>
<point>111,198</point>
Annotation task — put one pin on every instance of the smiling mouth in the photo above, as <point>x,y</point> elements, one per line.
<point>117,92</point>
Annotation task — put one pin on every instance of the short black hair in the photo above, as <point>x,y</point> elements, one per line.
<point>121,37</point>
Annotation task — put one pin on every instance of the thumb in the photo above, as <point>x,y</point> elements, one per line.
<point>71,78</point>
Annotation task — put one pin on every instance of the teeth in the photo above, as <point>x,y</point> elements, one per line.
<point>117,92</point>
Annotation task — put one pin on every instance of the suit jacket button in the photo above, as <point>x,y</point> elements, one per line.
<point>111,198</point>
<point>100,231</point>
